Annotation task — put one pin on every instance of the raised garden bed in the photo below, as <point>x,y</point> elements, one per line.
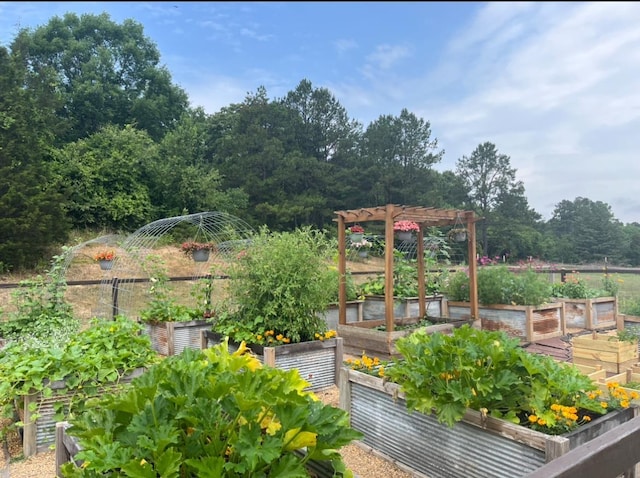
<point>39,432</point>
<point>364,337</point>
<point>374,307</point>
<point>606,350</point>
<point>478,446</point>
<point>354,312</point>
<point>171,338</point>
<point>318,362</point>
<point>527,322</point>
<point>590,314</point>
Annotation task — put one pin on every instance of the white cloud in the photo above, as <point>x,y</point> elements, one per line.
<point>385,56</point>
<point>543,90</point>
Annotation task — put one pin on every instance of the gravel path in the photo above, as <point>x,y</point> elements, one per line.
<point>364,463</point>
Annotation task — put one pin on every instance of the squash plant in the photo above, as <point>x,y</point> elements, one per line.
<point>489,372</point>
<point>210,414</point>
<point>101,354</point>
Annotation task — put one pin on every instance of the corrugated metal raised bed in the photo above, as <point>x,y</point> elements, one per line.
<point>67,447</point>
<point>171,338</point>
<point>354,313</point>
<point>362,337</point>
<point>476,447</point>
<point>374,307</point>
<point>39,433</point>
<point>590,314</point>
<point>526,322</point>
<point>318,362</point>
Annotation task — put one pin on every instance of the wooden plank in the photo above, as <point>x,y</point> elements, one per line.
<point>611,454</point>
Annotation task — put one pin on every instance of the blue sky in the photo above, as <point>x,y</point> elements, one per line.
<point>554,85</point>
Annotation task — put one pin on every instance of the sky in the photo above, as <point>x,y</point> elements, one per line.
<point>553,85</point>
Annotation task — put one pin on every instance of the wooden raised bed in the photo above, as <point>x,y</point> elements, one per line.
<point>526,322</point>
<point>362,337</point>
<point>590,314</point>
<point>171,338</point>
<point>604,349</point>
<point>318,362</point>
<point>476,447</point>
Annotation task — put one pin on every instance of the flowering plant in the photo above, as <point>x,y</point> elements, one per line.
<point>190,247</point>
<point>405,226</point>
<point>105,256</point>
<point>489,372</point>
<point>362,244</point>
<point>356,229</point>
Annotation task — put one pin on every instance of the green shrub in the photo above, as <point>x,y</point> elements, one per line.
<point>280,284</point>
<point>498,285</point>
<point>573,287</point>
<point>210,414</point>
<point>42,315</point>
<point>487,371</point>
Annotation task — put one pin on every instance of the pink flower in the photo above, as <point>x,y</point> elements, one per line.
<point>405,226</point>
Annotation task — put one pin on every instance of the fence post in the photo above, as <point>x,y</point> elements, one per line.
<point>114,297</point>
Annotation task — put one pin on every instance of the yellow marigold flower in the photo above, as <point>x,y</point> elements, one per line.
<point>624,403</point>
<point>259,337</point>
<point>542,422</point>
<point>269,332</point>
<point>611,385</point>
<point>604,404</point>
<point>555,407</point>
<point>317,335</point>
<point>533,418</point>
<point>279,337</point>
<point>634,395</point>
<point>381,371</point>
<point>586,418</point>
<point>286,340</point>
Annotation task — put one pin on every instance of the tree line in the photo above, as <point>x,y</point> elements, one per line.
<point>95,135</point>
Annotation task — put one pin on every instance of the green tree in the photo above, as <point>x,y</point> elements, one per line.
<point>105,178</point>
<point>489,178</point>
<point>32,218</point>
<point>586,231</point>
<point>399,152</point>
<point>184,178</point>
<point>106,73</point>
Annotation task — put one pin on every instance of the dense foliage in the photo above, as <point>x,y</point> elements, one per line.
<point>498,285</point>
<point>101,354</point>
<point>211,414</point>
<point>489,372</point>
<point>279,285</point>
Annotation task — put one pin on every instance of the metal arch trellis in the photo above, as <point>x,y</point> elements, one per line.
<point>226,231</point>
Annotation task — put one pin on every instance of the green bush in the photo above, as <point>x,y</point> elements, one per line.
<point>280,284</point>
<point>210,414</point>
<point>487,371</point>
<point>498,285</point>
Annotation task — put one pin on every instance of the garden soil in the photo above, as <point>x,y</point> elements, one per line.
<point>365,463</point>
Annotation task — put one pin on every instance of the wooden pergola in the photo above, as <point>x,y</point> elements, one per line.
<point>424,217</point>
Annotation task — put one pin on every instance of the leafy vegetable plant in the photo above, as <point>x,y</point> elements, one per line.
<point>101,354</point>
<point>210,414</point>
<point>489,372</point>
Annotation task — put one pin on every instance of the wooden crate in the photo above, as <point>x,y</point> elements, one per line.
<point>604,349</point>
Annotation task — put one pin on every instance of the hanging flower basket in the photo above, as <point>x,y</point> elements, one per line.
<point>105,259</point>
<point>199,251</point>
<point>404,230</point>
<point>356,233</point>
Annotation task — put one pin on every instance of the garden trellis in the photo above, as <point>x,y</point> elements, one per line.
<point>118,288</point>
